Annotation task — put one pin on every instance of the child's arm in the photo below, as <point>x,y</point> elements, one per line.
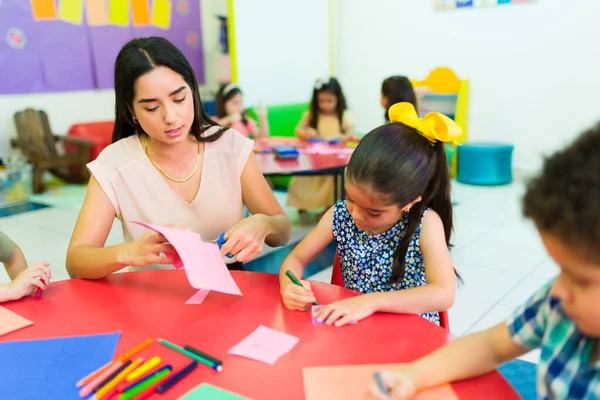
<point>296,297</point>
<point>436,295</point>
<point>36,276</point>
<point>303,131</point>
<point>467,357</point>
<point>263,122</point>
<point>12,257</point>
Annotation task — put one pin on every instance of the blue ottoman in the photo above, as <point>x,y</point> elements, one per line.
<point>484,163</point>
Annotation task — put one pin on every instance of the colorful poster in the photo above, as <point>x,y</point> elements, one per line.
<point>43,9</point>
<point>96,13</point>
<point>71,11</point>
<point>141,12</point>
<point>161,13</point>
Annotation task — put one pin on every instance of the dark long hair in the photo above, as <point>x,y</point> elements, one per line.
<point>396,161</point>
<point>331,86</point>
<point>398,89</point>
<point>225,93</point>
<point>140,56</point>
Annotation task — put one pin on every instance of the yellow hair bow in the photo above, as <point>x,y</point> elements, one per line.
<point>434,126</point>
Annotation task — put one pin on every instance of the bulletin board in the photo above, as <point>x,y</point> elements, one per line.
<point>65,45</point>
<point>454,4</point>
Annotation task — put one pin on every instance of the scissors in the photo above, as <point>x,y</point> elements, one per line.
<point>221,241</point>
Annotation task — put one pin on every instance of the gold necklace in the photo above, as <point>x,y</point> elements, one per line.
<point>163,173</point>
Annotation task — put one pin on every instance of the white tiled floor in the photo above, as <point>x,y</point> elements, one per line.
<point>498,254</point>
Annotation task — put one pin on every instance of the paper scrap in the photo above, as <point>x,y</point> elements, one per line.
<point>140,12</point>
<point>43,10</point>
<point>204,265</point>
<point>199,297</point>
<point>313,310</point>
<point>118,12</point>
<point>161,14</point>
<point>96,12</point>
<point>351,382</point>
<point>71,11</point>
<point>10,321</point>
<point>265,344</point>
<point>206,391</point>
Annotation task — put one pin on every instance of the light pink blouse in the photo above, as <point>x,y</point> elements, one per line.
<point>138,192</point>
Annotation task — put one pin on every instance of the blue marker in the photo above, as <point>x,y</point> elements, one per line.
<point>221,241</point>
<point>380,384</point>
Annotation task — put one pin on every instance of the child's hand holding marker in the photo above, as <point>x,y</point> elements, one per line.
<point>392,385</point>
<point>297,295</point>
<point>37,276</point>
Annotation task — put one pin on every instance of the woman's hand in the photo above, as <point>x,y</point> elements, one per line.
<point>346,311</point>
<point>245,239</point>
<point>295,297</point>
<point>150,248</point>
<point>36,276</point>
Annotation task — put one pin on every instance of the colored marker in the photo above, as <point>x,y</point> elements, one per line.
<point>191,355</point>
<point>380,384</point>
<point>204,355</point>
<point>89,388</point>
<point>126,387</point>
<point>123,357</point>
<point>38,293</point>
<point>111,376</point>
<point>144,385</point>
<point>176,377</point>
<point>147,366</point>
<point>297,282</point>
<point>102,392</point>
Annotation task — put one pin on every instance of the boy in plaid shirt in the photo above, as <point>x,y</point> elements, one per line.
<point>563,317</point>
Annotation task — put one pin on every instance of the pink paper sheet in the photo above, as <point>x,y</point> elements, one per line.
<point>204,265</point>
<point>351,382</point>
<point>9,321</point>
<point>199,297</point>
<point>265,344</point>
<point>328,150</point>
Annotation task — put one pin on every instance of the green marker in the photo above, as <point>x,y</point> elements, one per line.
<point>191,355</point>
<point>297,282</point>
<point>127,395</point>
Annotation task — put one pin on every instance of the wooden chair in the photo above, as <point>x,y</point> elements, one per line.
<point>337,279</point>
<point>46,151</point>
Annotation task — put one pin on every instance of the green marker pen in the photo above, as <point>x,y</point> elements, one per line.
<point>297,282</point>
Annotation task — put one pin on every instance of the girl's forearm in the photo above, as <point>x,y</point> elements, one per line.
<point>418,300</point>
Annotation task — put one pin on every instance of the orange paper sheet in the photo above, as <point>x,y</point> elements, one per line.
<point>141,12</point>
<point>71,11</point>
<point>96,12</point>
<point>9,321</point>
<point>351,382</point>
<point>43,9</point>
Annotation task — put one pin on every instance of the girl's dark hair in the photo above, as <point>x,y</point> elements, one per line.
<point>225,93</point>
<point>331,86</point>
<point>396,161</point>
<point>140,56</point>
<point>398,89</point>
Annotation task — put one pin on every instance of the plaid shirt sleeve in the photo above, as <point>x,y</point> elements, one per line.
<point>528,322</point>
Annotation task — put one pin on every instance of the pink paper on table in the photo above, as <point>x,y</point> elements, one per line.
<point>204,265</point>
<point>9,321</point>
<point>351,382</point>
<point>199,297</point>
<point>340,151</point>
<point>265,344</point>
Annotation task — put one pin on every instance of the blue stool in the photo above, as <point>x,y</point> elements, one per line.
<point>485,163</point>
<point>522,377</point>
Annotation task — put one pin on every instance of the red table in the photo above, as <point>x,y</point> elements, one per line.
<point>151,304</point>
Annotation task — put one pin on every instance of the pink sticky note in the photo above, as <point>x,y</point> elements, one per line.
<point>204,265</point>
<point>265,344</point>
<point>9,321</point>
<point>199,297</point>
<point>313,310</point>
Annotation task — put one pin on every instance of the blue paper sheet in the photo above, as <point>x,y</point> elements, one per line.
<point>49,368</point>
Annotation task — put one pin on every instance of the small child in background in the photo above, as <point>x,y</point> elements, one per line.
<point>563,317</point>
<point>397,89</point>
<point>24,280</point>
<point>229,107</point>
<point>393,230</point>
<point>327,118</point>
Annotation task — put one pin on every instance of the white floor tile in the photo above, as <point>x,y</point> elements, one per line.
<point>486,284</point>
<point>323,276</point>
<point>523,291</point>
<point>491,318</point>
<point>465,313</point>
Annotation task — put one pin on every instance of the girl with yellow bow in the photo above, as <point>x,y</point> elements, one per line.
<point>393,230</point>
